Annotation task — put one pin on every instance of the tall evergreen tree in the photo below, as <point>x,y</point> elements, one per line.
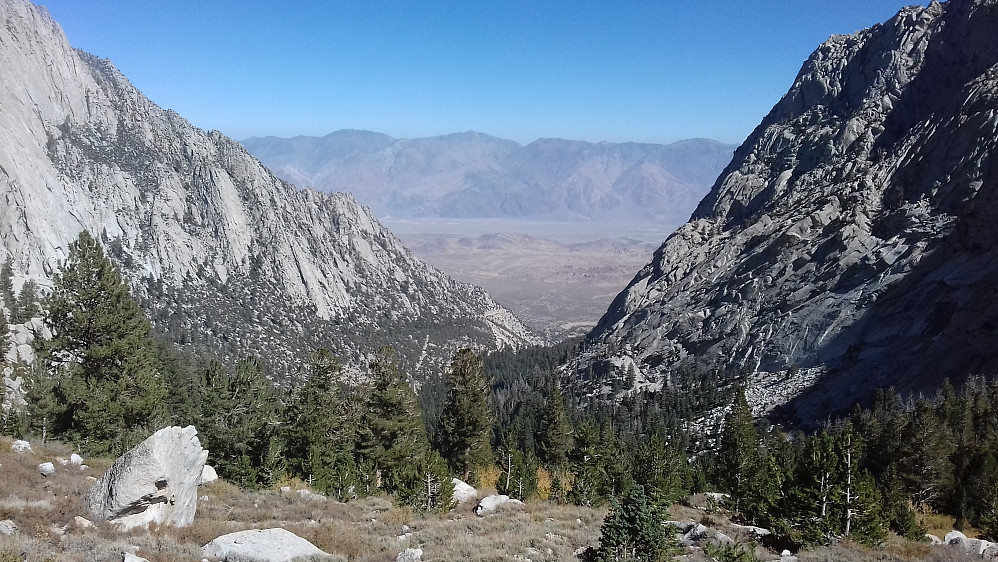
<point>466,420</point>
<point>27,307</point>
<point>7,286</point>
<point>555,430</point>
<point>101,355</point>
<point>738,458</point>
<point>238,417</point>
<point>392,439</point>
<point>319,428</point>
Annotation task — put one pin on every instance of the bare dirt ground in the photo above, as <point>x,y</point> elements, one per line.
<point>558,278</point>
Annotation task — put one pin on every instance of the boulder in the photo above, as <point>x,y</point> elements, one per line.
<point>75,460</point>
<point>261,545</point>
<point>129,557</point>
<point>410,555</point>
<point>46,469</point>
<point>463,492</point>
<point>973,546</point>
<point>155,481</point>
<point>82,523</point>
<point>488,504</point>
<point>933,539</point>
<point>20,447</point>
<point>208,474</point>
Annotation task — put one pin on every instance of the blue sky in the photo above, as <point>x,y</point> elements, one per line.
<point>642,70</point>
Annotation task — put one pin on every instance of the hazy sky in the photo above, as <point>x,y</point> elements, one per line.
<point>642,70</point>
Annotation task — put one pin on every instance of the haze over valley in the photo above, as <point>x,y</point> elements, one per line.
<point>551,229</point>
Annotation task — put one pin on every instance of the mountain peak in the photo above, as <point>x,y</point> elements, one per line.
<point>847,244</point>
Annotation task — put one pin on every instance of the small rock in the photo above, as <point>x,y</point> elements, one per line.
<point>722,539</point>
<point>933,539</point>
<point>410,555</point>
<point>46,469</point>
<point>129,557</point>
<point>76,460</point>
<point>20,447</point>
<point>82,522</point>
<point>208,474</point>
<point>285,489</point>
<point>786,553</point>
<point>8,528</point>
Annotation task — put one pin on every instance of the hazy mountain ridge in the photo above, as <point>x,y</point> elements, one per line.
<point>472,175</point>
<point>850,243</point>
<point>223,254</point>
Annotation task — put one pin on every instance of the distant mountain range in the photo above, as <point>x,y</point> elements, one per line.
<point>851,244</point>
<point>473,175</point>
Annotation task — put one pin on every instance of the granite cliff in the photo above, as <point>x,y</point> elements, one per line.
<point>850,243</point>
<point>222,254</point>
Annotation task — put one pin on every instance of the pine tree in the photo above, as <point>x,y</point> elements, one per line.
<point>27,303</point>
<point>466,420</point>
<point>555,431</point>
<point>738,457</point>
<point>101,355</point>
<point>632,531</point>
<point>7,286</point>
<point>517,470</point>
<point>319,429</point>
<point>392,439</point>
<point>238,418</point>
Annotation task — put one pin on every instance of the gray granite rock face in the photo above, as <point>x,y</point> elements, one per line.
<point>220,253</point>
<point>156,481</point>
<point>850,243</point>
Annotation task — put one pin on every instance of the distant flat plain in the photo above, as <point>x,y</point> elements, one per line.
<point>557,277</point>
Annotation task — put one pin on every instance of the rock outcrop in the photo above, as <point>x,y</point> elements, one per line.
<point>157,481</point>
<point>850,243</point>
<point>260,545</point>
<point>221,254</point>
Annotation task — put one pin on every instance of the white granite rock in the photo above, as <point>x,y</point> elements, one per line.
<point>463,492</point>
<point>260,545</point>
<point>488,504</point>
<point>157,481</point>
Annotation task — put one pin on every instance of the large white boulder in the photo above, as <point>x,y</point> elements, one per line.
<point>488,504</point>
<point>46,469</point>
<point>974,546</point>
<point>260,545</point>
<point>20,447</point>
<point>463,492</point>
<point>155,481</point>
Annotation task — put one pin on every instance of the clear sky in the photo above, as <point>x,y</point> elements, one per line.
<point>640,70</point>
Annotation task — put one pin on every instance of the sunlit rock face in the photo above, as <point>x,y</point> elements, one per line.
<point>850,243</point>
<point>223,255</point>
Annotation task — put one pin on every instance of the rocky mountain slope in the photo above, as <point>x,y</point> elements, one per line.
<point>221,253</point>
<point>850,243</point>
<point>472,175</point>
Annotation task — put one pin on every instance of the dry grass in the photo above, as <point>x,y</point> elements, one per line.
<point>365,530</point>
